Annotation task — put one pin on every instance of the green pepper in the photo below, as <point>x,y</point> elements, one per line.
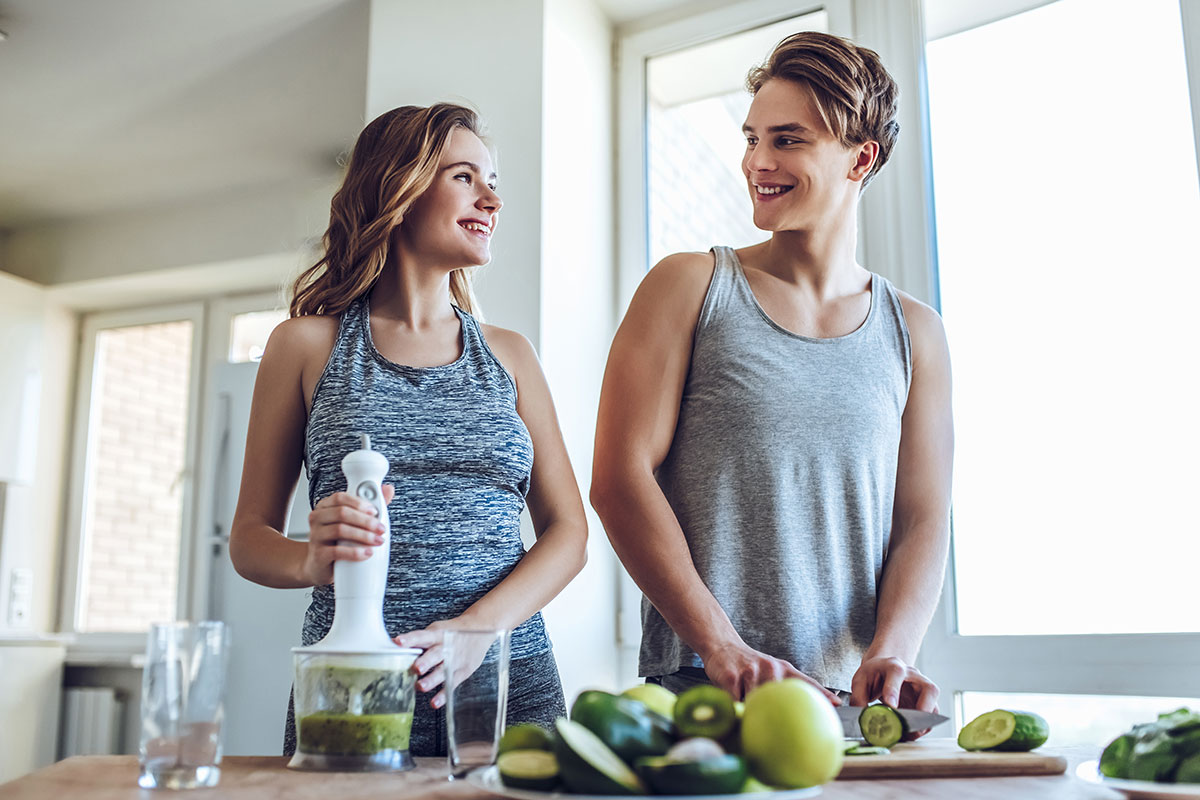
<point>627,726</point>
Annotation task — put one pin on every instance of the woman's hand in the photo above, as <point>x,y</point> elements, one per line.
<point>896,684</point>
<point>341,527</point>
<point>430,666</point>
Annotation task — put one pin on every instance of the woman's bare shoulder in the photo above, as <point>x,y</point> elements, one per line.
<point>512,348</point>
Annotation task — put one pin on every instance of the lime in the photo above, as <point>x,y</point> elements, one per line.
<point>791,735</point>
<point>657,699</point>
<point>525,736</point>
<point>753,785</point>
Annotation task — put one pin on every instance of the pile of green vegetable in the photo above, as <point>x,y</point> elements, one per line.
<point>1166,750</point>
<point>644,741</point>
<point>648,741</point>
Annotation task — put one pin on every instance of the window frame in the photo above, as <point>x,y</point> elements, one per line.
<point>1143,665</point>
<point>83,431</point>
<point>219,315</point>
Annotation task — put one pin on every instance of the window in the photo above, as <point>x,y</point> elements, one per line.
<point>696,103</point>
<point>131,498</point>
<point>1066,190</point>
<point>248,334</point>
<point>134,555</point>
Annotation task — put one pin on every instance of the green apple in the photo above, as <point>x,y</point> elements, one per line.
<point>791,735</point>
<point>657,699</point>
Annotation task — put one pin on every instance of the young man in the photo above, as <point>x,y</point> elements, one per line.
<point>774,442</point>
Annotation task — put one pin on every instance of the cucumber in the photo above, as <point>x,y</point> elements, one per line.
<point>588,766</point>
<point>705,710</point>
<point>525,736</point>
<point>881,726</point>
<point>626,726</point>
<point>536,770</point>
<point>1014,731</point>
<point>720,775</point>
<point>859,750</point>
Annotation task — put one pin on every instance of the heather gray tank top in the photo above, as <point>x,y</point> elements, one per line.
<point>782,473</point>
<point>459,457</point>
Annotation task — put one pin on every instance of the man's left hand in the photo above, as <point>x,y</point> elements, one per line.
<point>894,683</point>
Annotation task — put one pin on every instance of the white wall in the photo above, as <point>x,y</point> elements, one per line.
<point>540,74</point>
<point>41,334</point>
<point>576,306</point>
<point>487,55</point>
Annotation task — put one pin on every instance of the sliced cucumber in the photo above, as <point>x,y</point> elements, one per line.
<point>1018,731</point>
<point>859,750</point>
<point>588,766</point>
<point>528,769</point>
<point>881,726</point>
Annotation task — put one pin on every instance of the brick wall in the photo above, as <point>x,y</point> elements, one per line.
<point>133,517</point>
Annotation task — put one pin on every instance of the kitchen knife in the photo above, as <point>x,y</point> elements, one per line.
<point>915,720</point>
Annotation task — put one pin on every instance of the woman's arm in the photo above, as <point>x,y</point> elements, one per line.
<point>274,451</point>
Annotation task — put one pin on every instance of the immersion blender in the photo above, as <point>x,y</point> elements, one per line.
<point>356,676</point>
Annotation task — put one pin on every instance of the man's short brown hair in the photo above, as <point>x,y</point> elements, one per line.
<point>854,94</point>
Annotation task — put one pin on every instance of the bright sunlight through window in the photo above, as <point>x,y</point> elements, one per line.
<point>1067,203</point>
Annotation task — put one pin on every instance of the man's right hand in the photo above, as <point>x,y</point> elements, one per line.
<point>739,668</point>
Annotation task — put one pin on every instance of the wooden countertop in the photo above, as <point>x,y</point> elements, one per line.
<point>266,778</point>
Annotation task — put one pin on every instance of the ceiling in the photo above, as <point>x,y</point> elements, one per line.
<point>130,103</point>
<point>127,104</point>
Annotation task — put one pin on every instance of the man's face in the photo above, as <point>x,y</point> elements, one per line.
<point>798,174</point>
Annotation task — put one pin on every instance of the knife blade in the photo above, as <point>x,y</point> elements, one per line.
<point>915,720</point>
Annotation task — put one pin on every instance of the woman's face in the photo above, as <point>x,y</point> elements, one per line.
<point>451,225</point>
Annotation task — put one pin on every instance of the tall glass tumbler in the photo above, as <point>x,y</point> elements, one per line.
<point>183,691</point>
<point>476,668</point>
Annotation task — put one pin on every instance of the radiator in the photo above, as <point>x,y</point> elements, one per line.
<point>91,722</point>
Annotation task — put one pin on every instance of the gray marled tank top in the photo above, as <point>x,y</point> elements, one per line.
<point>460,459</point>
<point>782,473</point>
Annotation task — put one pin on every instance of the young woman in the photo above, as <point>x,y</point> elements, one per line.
<point>384,339</point>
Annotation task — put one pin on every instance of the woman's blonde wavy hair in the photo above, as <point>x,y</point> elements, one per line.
<point>394,162</point>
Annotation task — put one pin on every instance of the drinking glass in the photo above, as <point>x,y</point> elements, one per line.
<point>476,668</point>
<point>183,690</point>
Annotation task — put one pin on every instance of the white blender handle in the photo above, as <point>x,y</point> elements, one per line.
<point>365,470</point>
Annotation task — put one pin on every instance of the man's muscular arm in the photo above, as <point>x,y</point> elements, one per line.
<point>911,583</point>
<point>639,408</point>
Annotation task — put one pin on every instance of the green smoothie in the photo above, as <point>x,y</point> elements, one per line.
<point>341,734</point>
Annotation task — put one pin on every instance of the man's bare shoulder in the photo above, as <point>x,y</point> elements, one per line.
<point>925,328</point>
<point>684,267</point>
<point>677,284</point>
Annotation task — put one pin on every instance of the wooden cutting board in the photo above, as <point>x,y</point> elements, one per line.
<point>943,758</point>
